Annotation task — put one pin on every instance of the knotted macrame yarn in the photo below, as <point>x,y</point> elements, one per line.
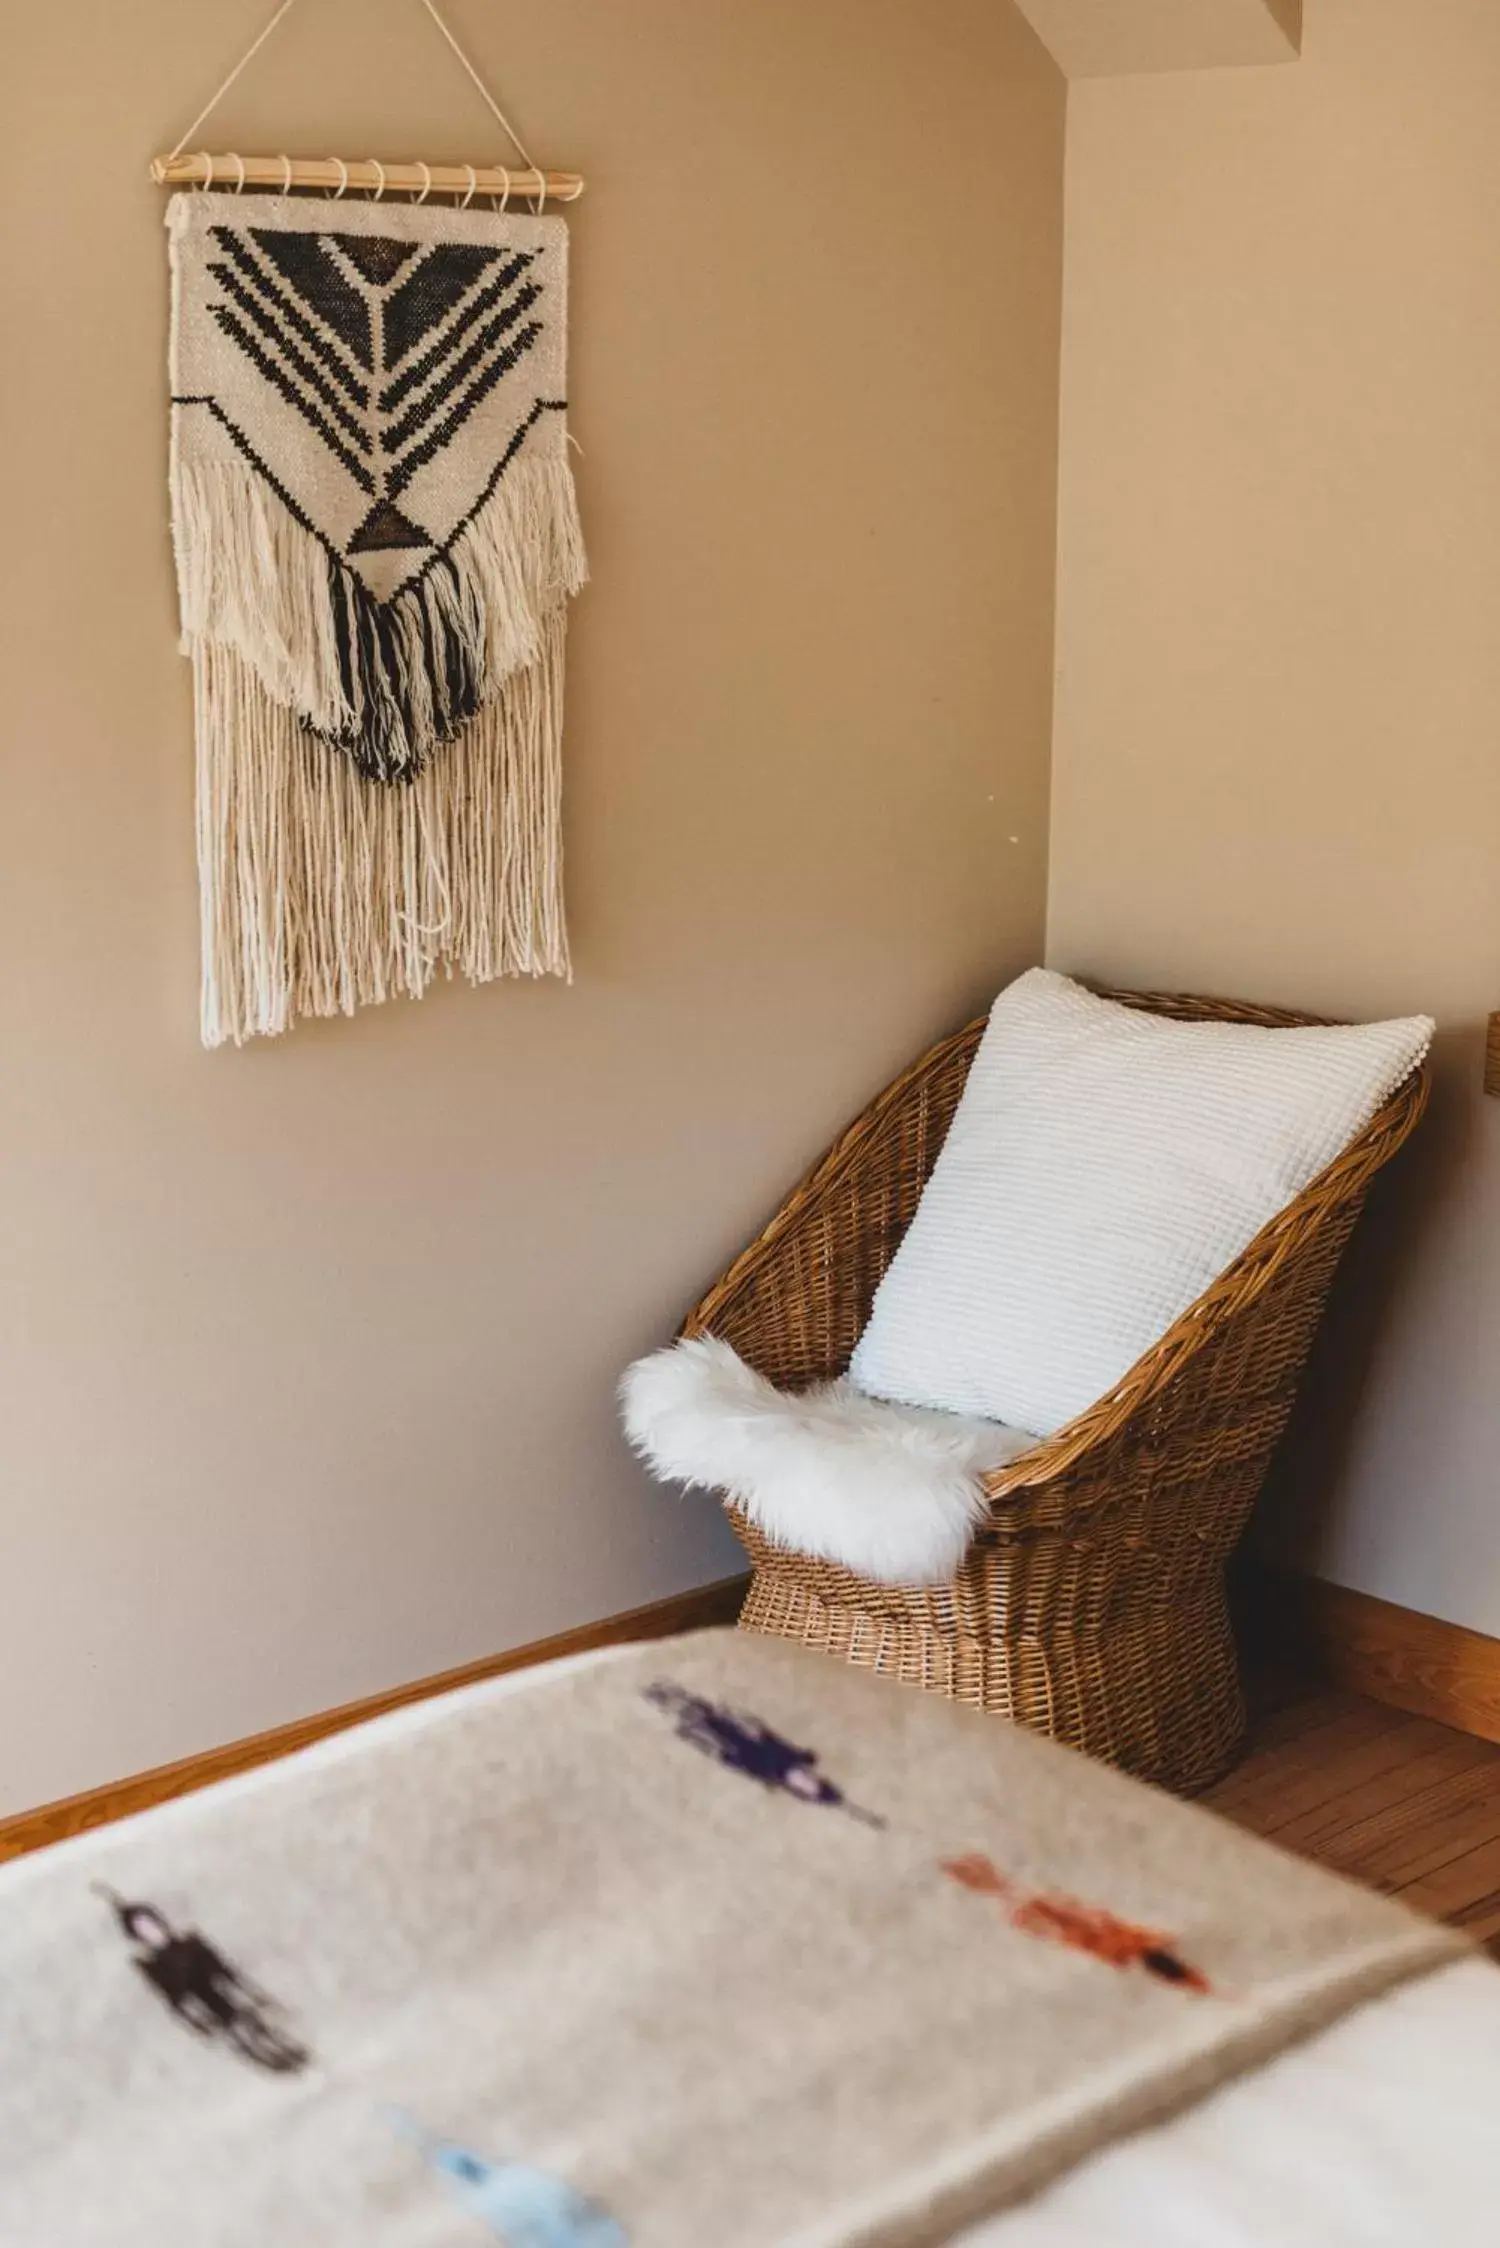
<point>376,535</point>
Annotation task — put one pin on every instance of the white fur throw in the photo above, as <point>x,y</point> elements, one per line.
<point>891,1491</point>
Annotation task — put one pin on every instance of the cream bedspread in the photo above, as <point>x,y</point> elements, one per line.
<point>697,1945</point>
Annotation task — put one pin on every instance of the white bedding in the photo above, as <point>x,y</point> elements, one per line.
<point>1382,2132</point>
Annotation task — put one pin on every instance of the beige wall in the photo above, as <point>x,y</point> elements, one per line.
<point>1278,719</point>
<point>308,1351</point>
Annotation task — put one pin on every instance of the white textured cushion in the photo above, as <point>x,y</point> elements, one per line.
<point>1103,1167</point>
<point>889,1490</point>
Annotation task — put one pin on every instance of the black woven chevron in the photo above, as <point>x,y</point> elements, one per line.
<point>384,348</point>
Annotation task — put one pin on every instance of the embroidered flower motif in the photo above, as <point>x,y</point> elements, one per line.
<point>1063,1920</point>
<point>746,1744</point>
<point>524,2207</point>
<point>206,1994</point>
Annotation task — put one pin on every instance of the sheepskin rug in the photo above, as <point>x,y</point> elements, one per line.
<point>891,1491</point>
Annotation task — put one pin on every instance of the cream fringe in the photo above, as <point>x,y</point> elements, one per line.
<point>322,891</point>
<point>251,578</point>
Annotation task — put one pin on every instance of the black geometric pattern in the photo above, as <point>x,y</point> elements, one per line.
<point>382,388</point>
<point>300,384</point>
<point>480,367</point>
<point>386,527</point>
<point>251,279</point>
<point>414,372</point>
<point>446,274</point>
<point>307,266</point>
<point>371,667</point>
<point>384,348</point>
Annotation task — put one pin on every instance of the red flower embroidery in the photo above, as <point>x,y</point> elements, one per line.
<point>1062,1920</point>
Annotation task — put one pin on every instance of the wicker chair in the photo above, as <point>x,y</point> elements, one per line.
<point>1092,1604</point>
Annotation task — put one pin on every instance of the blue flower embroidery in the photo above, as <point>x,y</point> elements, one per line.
<point>523,2207</point>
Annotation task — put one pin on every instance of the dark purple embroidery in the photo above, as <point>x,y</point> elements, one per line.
<point>207,1995</point>
<point>745,1744</point>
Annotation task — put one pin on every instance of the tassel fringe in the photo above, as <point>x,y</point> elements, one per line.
<point>251,578</point>
<point>389,682</point>
<point>321,892</point>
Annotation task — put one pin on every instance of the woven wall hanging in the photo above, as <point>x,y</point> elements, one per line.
<point>376,537</point>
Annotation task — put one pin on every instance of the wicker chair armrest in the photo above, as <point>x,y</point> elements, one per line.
<point>788,1304</point>
<point>794,1302</point>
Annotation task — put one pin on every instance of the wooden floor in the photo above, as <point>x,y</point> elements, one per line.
<point>1401,1803</point>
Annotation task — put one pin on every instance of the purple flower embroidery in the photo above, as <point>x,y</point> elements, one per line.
<point>746,1744</point>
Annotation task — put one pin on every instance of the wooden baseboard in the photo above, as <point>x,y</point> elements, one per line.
<point>1395,1655</point>
<point>76,1814</point>
<point>1417,1663</point>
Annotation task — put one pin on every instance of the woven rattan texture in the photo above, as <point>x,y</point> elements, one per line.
<point>1092,1604</point>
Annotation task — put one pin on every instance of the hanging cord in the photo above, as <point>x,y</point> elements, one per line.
<point>482,89</point>
<point>485,95</point>
<point>248,56</point>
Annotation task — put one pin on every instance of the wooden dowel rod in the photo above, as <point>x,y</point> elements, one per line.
<point>363,174</point>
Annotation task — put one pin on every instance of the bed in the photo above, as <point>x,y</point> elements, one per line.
<point>716,1944</point>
